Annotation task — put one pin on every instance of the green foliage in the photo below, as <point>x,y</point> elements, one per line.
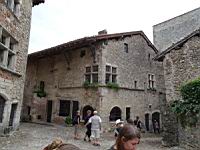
<point>152,89</point>
<point>68,120</point>
<point>114,86</point>
<point>188,109</point>
<point>87,84</point>
<point>40,93</point>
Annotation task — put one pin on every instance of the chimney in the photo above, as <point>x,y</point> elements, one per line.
<point>102,32</point>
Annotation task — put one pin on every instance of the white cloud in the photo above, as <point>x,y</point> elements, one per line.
<point>60,21</point>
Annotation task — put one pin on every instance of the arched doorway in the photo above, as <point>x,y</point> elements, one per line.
<point>115,114</point>
<point>156,116</point>
<point>2,105</point>
<point>147,121</point>
<point>85,109</point>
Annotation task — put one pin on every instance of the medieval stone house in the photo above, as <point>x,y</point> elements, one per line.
<point>82,74</point>
<point>181,63</point>
<point>178,41</point>
<point>15,18</point>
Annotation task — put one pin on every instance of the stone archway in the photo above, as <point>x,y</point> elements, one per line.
<point>115,114</point>
<point>85,109</point>
<point>2,106</point>
<point>156,116</point>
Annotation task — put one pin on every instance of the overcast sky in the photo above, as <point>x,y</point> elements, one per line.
<point>59,21</point>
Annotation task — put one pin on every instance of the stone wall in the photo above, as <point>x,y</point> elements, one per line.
<point>12,81</point>
<point>180,66</point>
<point>64,79</point>
<point>173,30</point>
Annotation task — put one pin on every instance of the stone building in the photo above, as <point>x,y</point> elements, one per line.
<point>181,63</point>
<point>175,29</point>
<point>15,19</point>
<point>112,73</point>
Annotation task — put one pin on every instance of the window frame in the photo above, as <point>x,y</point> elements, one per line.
<point>8,52</point>
<point>93,73</point>
<point>126,47</point>
<point>151,81</point>
<point>111,74</point>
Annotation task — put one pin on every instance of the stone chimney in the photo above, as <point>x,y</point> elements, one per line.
<point>102,32</point>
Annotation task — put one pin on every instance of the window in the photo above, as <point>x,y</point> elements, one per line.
<point>7,49</point>
<point>135,82</point>
<point>151,80</point>
<point>111,74</point>
<point>91,74</point>
<point>14,6</point>
<point>149,57</point>
<point>126,47</point>
<point>64,108</point>
<point>82,54</point>
<point>42,85</point>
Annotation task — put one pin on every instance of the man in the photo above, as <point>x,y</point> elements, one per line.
<point>95,128</point>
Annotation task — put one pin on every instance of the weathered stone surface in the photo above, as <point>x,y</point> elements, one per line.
<point>64,75</point>
<point>180,66</point>
<point>12,83</point>
<point>173,30</point>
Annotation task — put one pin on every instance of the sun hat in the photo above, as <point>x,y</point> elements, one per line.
<point>118,121</point>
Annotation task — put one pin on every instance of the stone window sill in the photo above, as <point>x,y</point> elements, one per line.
<point>10,71</point>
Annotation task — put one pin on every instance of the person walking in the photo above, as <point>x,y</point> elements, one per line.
<point>128,138</point>
<point>119,124</point>
<point>76,123</point>
<point>88,127</point>
<point>138,123</point>
<point>95,128</point>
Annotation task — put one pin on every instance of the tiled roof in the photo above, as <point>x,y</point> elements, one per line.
<point>161,55</point>
<point>37,2</point>
<point>86,41</point>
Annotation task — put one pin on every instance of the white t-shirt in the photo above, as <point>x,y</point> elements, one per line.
<point>96,122</point>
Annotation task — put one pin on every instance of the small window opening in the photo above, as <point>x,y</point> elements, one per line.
<point>126,47</point>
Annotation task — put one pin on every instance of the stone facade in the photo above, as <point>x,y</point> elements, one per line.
<point>171,31</point>
<point>181,64</point>
<point>15,19</point>
<point>64,73</point>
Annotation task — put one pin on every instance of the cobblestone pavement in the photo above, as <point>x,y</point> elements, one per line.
<point>36,137</point>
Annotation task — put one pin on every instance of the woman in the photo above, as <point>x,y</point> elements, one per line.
<point>88,132</point>
<point>128,138</point>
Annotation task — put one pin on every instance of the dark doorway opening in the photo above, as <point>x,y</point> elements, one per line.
<point>12,114</point>
<point>156,116</point>
<point>115,114</point>
<point>2,105</point>
<point>147,121</point>
<point>75,108</point>
<point>85,109</point>
<point>49,110</point>
<point>128,113</point>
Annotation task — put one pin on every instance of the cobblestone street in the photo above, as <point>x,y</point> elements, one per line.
<point>36,136</point>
